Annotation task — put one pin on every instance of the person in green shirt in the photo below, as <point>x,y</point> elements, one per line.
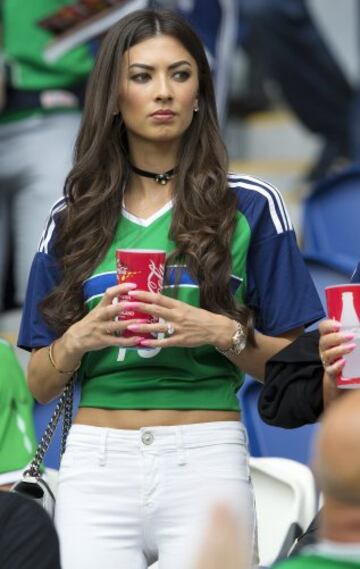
<point>17,434</point>
<point>39,119</point>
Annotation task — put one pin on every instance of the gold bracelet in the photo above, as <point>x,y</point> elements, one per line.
<point>51,358</point>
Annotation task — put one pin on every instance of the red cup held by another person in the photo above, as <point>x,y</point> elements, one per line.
<point>343,305</point>
<point>145,268</point>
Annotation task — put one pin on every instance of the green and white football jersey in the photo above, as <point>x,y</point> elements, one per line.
<point>268,273</point>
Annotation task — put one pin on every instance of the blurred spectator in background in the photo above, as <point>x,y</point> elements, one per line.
<point>311,80</point>
<point>337,470</point>
<point>17,435</point>
<point>28,538</point>
<point>283,43</point>
<point>39,119</point>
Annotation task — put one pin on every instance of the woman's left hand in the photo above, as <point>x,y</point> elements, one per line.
<point>183,325</point>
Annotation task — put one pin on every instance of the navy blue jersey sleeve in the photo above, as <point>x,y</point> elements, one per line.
<point>34,333</point>
<point>44,277</point>
<point>279,286</point>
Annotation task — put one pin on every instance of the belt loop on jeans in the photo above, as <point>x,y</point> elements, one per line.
<point>180,449</point>
<point>103,447</point>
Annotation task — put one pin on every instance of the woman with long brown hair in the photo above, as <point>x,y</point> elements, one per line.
<point>158,431</point>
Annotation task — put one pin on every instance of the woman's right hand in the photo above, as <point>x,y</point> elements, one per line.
<point>333,346</point>
<point>99,329</point>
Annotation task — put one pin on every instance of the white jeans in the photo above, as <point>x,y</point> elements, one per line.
<point>128,498</point>
<point>35,158</point>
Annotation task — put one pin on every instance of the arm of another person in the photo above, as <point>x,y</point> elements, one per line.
<point>297,388</point>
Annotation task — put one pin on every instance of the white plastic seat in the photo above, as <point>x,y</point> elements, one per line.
<point>51,477</point>
<point>285,502</point>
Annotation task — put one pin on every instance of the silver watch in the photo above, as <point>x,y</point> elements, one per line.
<point>239,341</point>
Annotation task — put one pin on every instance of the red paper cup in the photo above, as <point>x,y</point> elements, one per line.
<point>145,268</point>
<point>343,304</point>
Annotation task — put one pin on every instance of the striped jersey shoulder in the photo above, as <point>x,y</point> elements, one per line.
<point>50,225</point>
<point>258,198</point>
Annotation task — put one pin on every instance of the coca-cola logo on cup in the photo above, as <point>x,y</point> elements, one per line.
<point>124,273</point>
<point>155,276</point>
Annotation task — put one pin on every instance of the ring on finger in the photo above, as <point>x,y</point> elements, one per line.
<point>170,328</point>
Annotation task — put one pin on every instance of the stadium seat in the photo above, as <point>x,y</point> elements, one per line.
<point>292,485</point>
<point>331,228</point>
<point>51,477</point>
<point>268,441</point>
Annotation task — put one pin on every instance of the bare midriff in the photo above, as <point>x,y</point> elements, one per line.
<point>136,419</point>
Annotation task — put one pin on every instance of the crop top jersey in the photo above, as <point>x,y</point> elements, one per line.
<point>268,273</point>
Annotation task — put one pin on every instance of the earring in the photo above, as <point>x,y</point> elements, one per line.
<point>196,109</point>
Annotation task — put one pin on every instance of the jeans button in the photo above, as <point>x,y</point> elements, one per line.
<point>147,438</point>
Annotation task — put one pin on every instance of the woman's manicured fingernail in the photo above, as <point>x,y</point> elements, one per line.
<point>145,342</point>
<point>133,327</point>
<point>336,326</point>
<point>348,336</point>
<point>341,363</point>
<point>134,292</point>
<point>349,347</point>
<point>130,285</point>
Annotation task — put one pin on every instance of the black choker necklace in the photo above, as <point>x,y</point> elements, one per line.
<point>159,178</point>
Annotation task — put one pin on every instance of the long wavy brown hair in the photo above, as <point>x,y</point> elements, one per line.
<point>204,214</point>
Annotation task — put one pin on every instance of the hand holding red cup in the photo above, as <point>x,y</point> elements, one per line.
<point>145,268</point>
<point>343,304</point>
